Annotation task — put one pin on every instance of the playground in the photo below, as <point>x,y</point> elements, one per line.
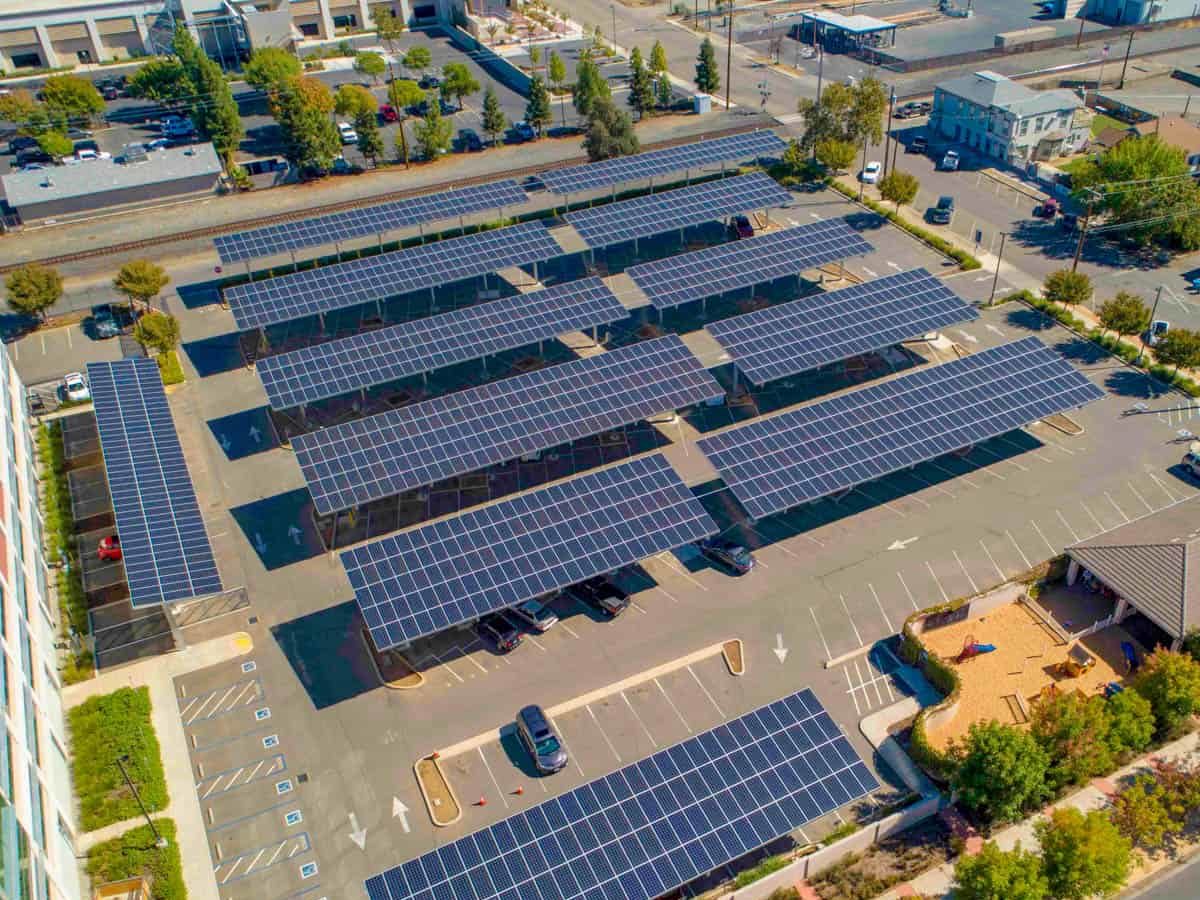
<point>1029,657</point>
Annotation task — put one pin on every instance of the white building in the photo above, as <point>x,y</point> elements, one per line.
<point>37,856</point>
<point>1006,120</point>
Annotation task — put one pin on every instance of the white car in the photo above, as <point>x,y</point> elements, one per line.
<point>84,155</point>
<point>949,161</point>
<point>535,614</point>
<point>870,174</point>
<point>76,387</point>
<point>347,133</point>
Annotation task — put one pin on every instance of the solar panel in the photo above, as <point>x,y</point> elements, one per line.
<point>164,545</point>
<point>813,331</point>
<point>346,284</point>
<point>737,264</point>
<point>653,826</point>
<point>652,214</point>
<point>750,145</point>
<point>411,348</point>
<point>395,451</point>
<point>456,569</point>
<point>812,452</point>
<point>356,223</point>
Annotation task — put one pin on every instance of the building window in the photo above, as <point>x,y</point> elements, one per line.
<point>1024,127</point>
<point>31,732</point>
<point>84,56</point>
<point>27,61</point>
<point>425,11</point>
<point>350,20</point>
<point>310,29</point>
<point>35,803</point>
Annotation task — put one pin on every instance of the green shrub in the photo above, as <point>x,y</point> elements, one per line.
<point>103,729</point>
<point>170,368</point>
<point>134,854</point>
<point>762,870</point>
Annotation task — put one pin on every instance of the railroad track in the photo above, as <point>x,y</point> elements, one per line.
<point>346,205</point>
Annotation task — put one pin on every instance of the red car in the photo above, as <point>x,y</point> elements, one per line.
<point>110,548</point>
<point>387,113</point>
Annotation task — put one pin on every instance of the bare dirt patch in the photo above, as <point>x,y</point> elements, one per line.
<point>861,876</point>
<point>732,651</point>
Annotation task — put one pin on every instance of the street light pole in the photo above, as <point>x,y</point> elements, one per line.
<point>614,32</point>
<point>159,841</point>
<point>887,141</point>
<point>1083,230</point>
<point>729,55</point>
<point>996,276</point>
<point>820,72</point>
<point>1153,310</point>
<point>1125,64</point>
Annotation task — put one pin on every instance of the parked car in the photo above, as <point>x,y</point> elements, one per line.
<point>104,323</point>
<point>109,548</point>
<point>1157,331</point>
<point>157,144</point>
<point>523,131</point>
<point>109,91</point>
<point>535,614</point>
<point>919,144</point>
<point>346,133</point>
<point>727,554</point>
<point>387,113</point>
<point>740,227</point>
<point>602,595</point>
<point>469,140</point>
<point>1191,459</point>
<point>503,635</point>
<point>943,213</point>
<point>1068,222</point>
<point>29,157</point>
<point>871,172</point>
<point>1047,209</point>
<point>75,387</point>
<point>537,734</point>
<point>429,82</point>
<point>949,162</point>
<point>914,109</point>
<point>342,166</point>
<point>22,142</point>
<point>173,126</point>
<point>88,154</point>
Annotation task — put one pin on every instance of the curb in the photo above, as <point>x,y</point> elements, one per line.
<point>393,685</point>
<point>741,651</point>
<point>846,657</point>
<point>429,807</point>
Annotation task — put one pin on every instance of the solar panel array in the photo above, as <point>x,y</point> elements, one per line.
<point>356,223</point>
<point>705,273</point>
<point>655,825</point>
<point>812,452</point>
<point>750,145</point>
<point>422,581</point>
<point>411,348</point>
<point>327,288</point>
<point>653,214</point>
<point>164,544</point>
<point>813,331</point>
<point>395,451</point>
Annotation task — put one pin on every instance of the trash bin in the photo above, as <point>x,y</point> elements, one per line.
<point>701,104</point>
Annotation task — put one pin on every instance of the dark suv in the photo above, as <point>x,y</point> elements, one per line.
<point>728,555</point>
<point>943,212</point>
<point>602,595</point>
<point>499,631</point>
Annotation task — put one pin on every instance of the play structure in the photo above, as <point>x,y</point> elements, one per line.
<point>1077,662</point>
<point>971,649</point>
<point>1131,657</point>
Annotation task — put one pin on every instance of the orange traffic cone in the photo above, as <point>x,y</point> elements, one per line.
<point>482,801</point>
<point>519,791</point>
<point>434,755</point>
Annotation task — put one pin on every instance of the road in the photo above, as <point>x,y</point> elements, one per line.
<point>1179,883</point>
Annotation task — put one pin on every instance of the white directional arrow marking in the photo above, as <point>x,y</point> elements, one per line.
<point>358,835</point>
<point>294,533</point>
<point>259,544</point>
<point>780,650</point>
<point>869,272</point>
<point>896,267</point>
<point>994,330</point>
<point>255,434</point>
<point>968,337</point>
<point>983,278</point>
<point>400,811</point>
<point>900,545</point>
<point>224,441</point>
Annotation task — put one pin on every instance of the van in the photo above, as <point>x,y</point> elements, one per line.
<point>1191,460</point>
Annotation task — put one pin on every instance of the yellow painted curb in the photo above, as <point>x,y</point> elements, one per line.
<point>243,642</point>
<point>430,808</point>
<point>393,685</point>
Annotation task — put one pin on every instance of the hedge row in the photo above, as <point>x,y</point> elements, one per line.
<point>135,854</point>
<point>938,764</point>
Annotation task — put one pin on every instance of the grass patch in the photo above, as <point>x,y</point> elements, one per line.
<point>1101,121</point>
<point>103,729</point>
<point>762,870</point>
<point>133,854</point>
<point>170,368</point>
<point>1072,166</point>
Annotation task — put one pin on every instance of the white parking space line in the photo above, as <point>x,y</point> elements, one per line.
<point>568,629</point>
<point>639,720</point>
<point>1045,540</point>
<point>820,633</point>
<point>974,586</point>
<point>1099,527</point>
<point>901,513</point>
<point>445,665</point>
<point>911,598</point>
<point>1024,558</point>
<point>1010,442</point>
<point>962,478</point>
<point>882,612</point>
<point>710,697</point>
<point>995,565</point>
<point>671,703</point>
<point>603,734</point>
<point>801,530</point>
<point>674,564</point>
<point>852,691</point>
<point>857,636</point>
<point>929,484</point>
<point>933,575</point>
<point>638,607</point>
<point>668,594</point>
<point>536,643</point>
<point>1066,524</point>
<point>980,467</point>
<point>777,544</point>
<point>1000,458</point>
<point>1162,486</point>
<point>492,776</point>
<point>570,753</point>
<point>1149,508</point>
<point>1114,506</point>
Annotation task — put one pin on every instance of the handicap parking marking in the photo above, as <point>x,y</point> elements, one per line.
<point>231,779</point>
<point>257,860</point>
<point>220,701</point>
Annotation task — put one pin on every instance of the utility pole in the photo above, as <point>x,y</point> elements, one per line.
<point>887,141</point>
<point>996,276</point>
<point>1079,36</point>
<point>1087,219</point>
<point>1100,76</point>
<point>820,71</point>
<point>159,841</point>
<point>1125,64</point>
<point>729,55</point>
<point>860,173</point>
<point>1153,310</point>
<point>614,17</point>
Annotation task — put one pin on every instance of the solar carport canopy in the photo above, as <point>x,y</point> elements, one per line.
<point>705,273</point>
<point>351,464</point>
<point>425,580</point>
<point>829,327</point>
<point>342,285</point>
<point>370,220</point>
<point>749,145</point>
<point>652,826</point>
<point>412,348</point>
<point>164,544</point>
<point>812,452</point>
<point>603,226</point>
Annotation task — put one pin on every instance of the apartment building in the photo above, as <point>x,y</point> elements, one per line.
<point>37,856</point>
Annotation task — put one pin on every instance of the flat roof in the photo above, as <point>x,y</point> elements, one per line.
<point>853,24</point>
<point>100,176</point>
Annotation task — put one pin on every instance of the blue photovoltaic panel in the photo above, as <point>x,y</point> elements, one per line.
<point>356,223</point>
<point>377,277</point>
<point>164,544</point>
<point>653,214</point>
<point>411,348</point>
<point>777,463</point>
<point>745,263</point>
<point>750,145</point>
<point>356,462</point>
<point>655,825</point>
<point>829,327</point>
<point>425,580</point>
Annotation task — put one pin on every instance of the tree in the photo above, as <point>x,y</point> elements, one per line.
<point>663,91</point>
<point>162,80</point>
<point>458,82</point>
<point>708,76</point>
<point>417,58</point>
<point>1067,287</point>
<point>1179,347</point>
<point>1082,855</point>
<point>1130,722</point>
<point>369,63</point>
<point>1171,682</point>
<point>492,27</point>
<point>641,87</point>
<point>1141,814</point>
<point>366,126</point>
<point>270,67</point>
<point>310,139</point>
<point>1073,730</point>
<point>846,113</point>
<point>535,57</point>
<point>17,106</point>
<point>214,110</point>
<point>658,59</point>
<point>1124,314</point>
<point>1001,772</point>
<point>352,99</point>
<point>433,132</point>
<point>157,331</point>
<point>72,97</point>
<point>56,144</point>
<point>590,86</point>
<point>141,280</point>
<point>794,158</point>
<point>835,154</point>
<point>401,144</point>
<point>899,187</point>
<point>868,102</point>
<point>994,874</point>
<point>404,94</point>
<point>389,27</point>
<point>537,109</point>
<point>557,70</point>
<point>33,289</point>
<point>610,131</point>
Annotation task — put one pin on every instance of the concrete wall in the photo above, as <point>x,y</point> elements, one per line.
<point>108,201</point>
